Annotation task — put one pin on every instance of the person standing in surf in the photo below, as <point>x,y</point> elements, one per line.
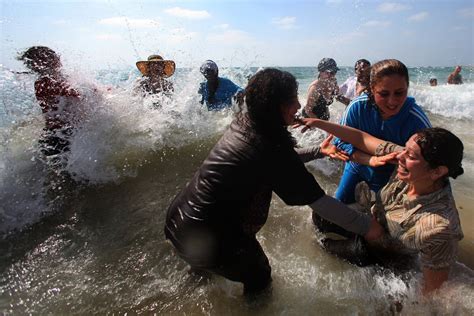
<point>213,221</point>
<point>154,72</point>
<point>54,95</point>
<point>321,92</point>
<point>386,113</point>
<point>455,77</point>
<point>217,92</point>
<point>358,84</point>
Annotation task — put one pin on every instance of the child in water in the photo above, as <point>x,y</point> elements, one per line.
<point>52,91</point>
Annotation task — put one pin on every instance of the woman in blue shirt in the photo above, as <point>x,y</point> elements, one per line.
<point>386,113</point>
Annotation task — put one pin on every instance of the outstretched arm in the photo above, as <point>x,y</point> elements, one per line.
<point>362,140</point>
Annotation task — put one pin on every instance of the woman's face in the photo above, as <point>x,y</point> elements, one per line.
<point>327,75</point>
<point>289,110</point>
<point>412,167</point>
<point>389,94</point>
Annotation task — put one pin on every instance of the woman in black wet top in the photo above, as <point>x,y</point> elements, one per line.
<point>213,221</point>
<point>323,91</point>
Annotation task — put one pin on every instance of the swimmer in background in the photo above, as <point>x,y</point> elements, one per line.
<point>433,82</point>
<point>455,77</point>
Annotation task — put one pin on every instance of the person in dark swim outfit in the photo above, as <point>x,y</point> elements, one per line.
<point>214,220</point>
<point>54,94</point>
<point>321,92</point>
<point>455,77</point>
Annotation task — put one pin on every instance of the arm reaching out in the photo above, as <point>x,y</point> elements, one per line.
<point>362,140</point>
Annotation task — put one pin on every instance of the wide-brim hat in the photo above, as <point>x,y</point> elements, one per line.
<point>168,65</point>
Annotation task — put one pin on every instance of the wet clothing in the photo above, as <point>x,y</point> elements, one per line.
<point>455,79</point>
<point>213,221</point>
<point>222,98</point>
<point>320,108</point>
<point>364,115</point>
<point>145,87</point>
<point>52,93</point>
<point>427,226</point>
<point>349,87</point>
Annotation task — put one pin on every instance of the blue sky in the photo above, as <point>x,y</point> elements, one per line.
<point>107,33</point>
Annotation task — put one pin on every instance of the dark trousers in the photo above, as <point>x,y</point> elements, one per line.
<point>233,255</point>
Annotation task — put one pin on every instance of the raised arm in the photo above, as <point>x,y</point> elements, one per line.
<point>362,140</point>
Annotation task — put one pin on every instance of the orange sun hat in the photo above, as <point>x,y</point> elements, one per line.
<point>168,65</point>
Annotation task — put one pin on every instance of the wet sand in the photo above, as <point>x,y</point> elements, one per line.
<point>465,204</point>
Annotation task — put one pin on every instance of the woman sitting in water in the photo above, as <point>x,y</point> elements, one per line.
<point>416,207</point>
<point>322,91</point>
<point>213,222</point>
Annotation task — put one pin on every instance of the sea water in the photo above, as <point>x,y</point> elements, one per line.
<point>95,244</point>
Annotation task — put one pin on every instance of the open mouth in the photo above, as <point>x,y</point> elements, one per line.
<point>402,170</point>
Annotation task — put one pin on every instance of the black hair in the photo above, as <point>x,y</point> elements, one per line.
<point>265,93</point>
<point>440,147</point>
<point>361,61</point>
<point>39,58</point>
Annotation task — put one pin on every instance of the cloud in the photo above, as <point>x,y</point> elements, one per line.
<point>108,37</point>
<point>180,35</point>
<point>418,17</point>
<point>230,37</point>
<point>376,23</point>
<point>459,28</point>
<point>390,7</point>
<point>285,23</point>
<point>188,14</point>
<point>129,22</point>
<point>467,12</point>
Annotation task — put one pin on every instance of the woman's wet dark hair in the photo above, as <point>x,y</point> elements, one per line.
<point>39,58</point>
<point>266,91</point>
<point>440,147</point>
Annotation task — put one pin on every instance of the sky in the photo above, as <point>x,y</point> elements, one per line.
<point>103,34</point>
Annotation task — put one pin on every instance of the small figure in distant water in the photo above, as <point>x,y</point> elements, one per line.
<point>53,93</point>
<point>433,82</point>
<point>455,77</point>
<point>217,92</point>
<point>356,85</point>
<point>322,91</point>
<point>155,70</point>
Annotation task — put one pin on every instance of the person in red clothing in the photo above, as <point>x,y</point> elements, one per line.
<point>53,93</point>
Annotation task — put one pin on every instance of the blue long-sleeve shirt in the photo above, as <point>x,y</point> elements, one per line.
<point>226,89</point>
<point>364,115</point>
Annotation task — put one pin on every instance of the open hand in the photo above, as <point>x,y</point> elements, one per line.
<point>328,149</point>
<point>377,161</point>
